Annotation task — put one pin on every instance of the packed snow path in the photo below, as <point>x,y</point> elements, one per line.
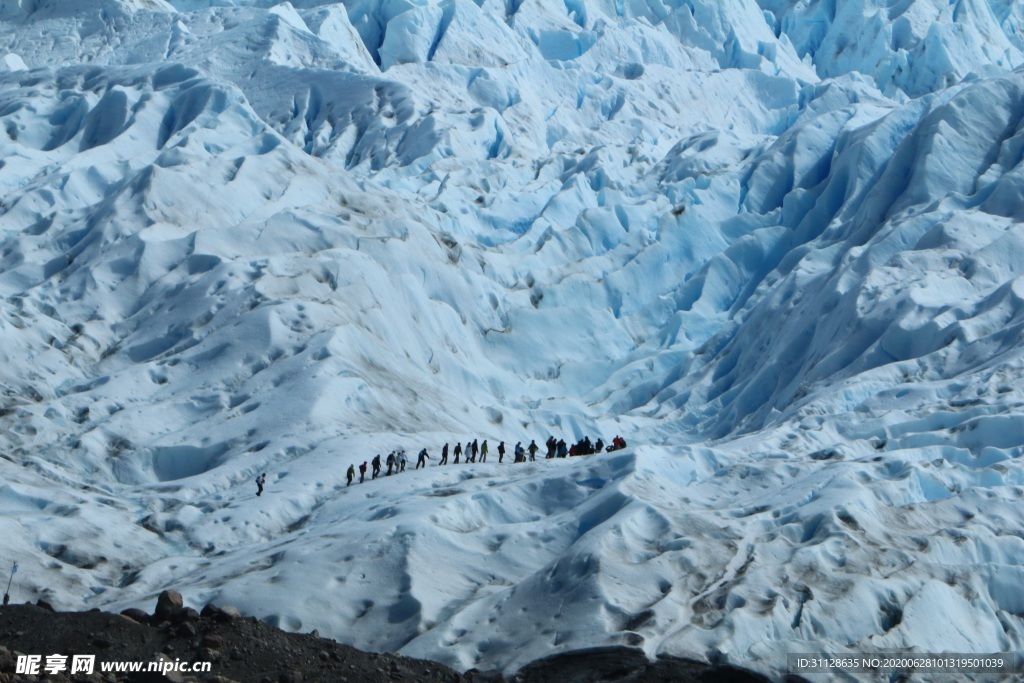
<point>777,244</point>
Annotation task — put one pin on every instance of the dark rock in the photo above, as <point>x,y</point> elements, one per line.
<point>228,613</point>
<point>214,641</point>
<point>45,605</point>
<point>183,615</point>
<point>211,611</point>
<point>622,664</point>
<point>186,630</point>
<point>167,604</point>
<point>205,654</point>
<point>136,615</point>
<point>102,643</point>
<point>6,659</point>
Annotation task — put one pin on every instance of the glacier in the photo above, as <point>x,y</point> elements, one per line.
<point>776,245</point>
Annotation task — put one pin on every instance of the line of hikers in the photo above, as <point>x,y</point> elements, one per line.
<point>474,450</point>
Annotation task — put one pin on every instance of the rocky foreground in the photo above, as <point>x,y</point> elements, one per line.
<point>246,650</point>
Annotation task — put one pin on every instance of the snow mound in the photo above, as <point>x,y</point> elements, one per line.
<point>12,62</point>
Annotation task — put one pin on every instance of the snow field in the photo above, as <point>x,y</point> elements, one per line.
<point>775,245</point>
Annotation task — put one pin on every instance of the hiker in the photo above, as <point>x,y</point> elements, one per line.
<point>483,451</point>
<point>362,472</point>
<point>551,445</point>
<point>444,455</point>
<point>599,446</point>
<point>476,449</point>
<point>519,452</point>
<point>457,451</point>
<point>403,459</point>
<point>563,449</point>
<point>421,459</point>
<point>501,451</point>
<point>376,465</point>
<point>260,481</point>
<point>351,474</point>
<point>469,452</point>
<point>533,450</point>
<point>390,462</point>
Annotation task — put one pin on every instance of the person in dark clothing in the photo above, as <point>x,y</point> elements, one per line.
<point>351,474</point>
<point>483,451</point>
<point>476,449</point>
<point>563,449</point>
<point>362,472</point>
<point>391,462</point>
<point>260,481</point>
<point>520,454</point>
<point>599,446</point>
<point>422,459</point>
<point>457,451</point>
<point>501,451</point>
<point>533,450</point>
<point>376,465</point>
<point>444,456</point>
<point>551,445</point>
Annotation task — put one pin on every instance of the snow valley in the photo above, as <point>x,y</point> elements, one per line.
<point>777,246</point>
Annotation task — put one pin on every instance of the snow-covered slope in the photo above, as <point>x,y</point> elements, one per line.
<point>776,245</point>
